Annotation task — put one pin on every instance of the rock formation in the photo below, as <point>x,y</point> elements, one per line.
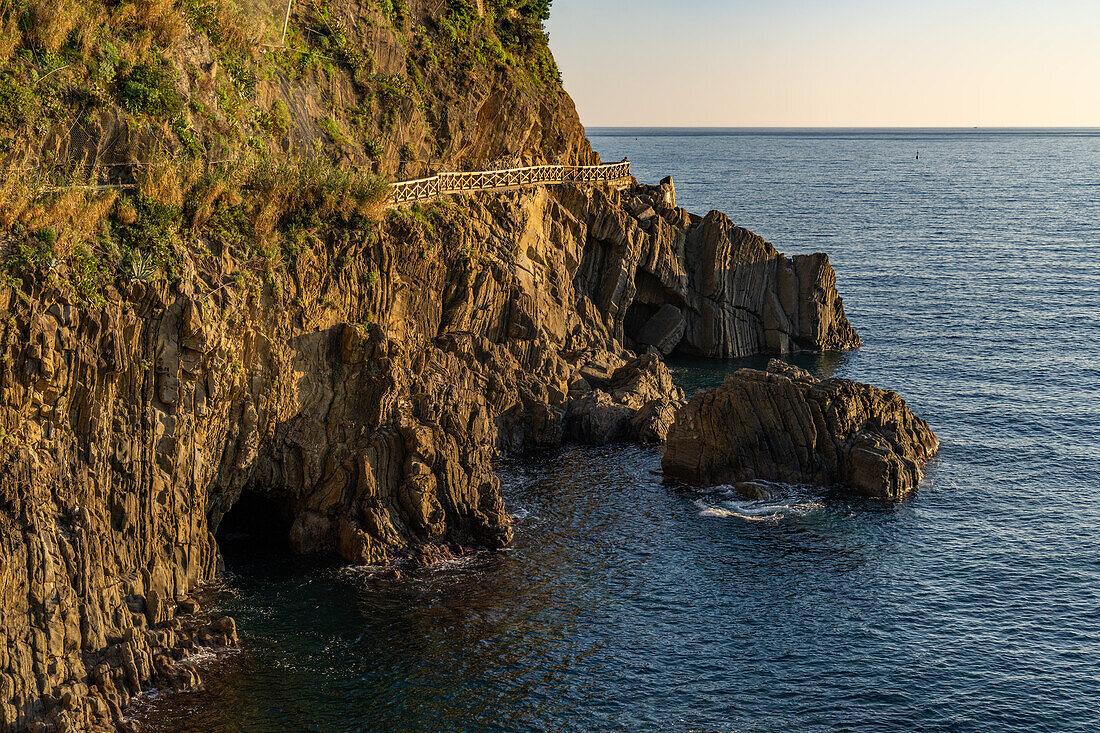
<point>635,403</point>
<point>366,398</point>
<point>673,281</point>
<point>784,425</point>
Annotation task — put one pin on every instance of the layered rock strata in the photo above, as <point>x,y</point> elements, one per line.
<point>363,394</point>
<point>634,404</point>
<point>358,383</point>
<point>784,425</point>
<point>675,282</point>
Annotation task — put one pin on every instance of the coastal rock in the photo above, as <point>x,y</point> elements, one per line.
<point>344,386</point>
<point>677,282</point>
<point>362,402</point>
<point>784,425</point>
<point>637,406</point>
<point>664,330</point>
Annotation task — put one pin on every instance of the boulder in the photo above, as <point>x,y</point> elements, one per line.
<point>737,294</point>
<point>667,192</point>
<point>784,425</point>
<point>664,330</point>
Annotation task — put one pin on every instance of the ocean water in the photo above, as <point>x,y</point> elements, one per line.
<point>628,604</point>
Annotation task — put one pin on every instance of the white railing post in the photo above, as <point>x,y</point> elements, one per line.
<point>286,22</point>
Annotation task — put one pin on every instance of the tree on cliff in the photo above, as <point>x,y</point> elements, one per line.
<point>527,19</point>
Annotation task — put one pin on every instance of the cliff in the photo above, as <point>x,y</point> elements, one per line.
<point>674,281</point>
<point>396,87</point>
<point>224,337</point>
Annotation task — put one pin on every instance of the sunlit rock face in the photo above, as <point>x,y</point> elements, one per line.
<point>364,385</point>
<point>367,397</point>
<point>675,282</point>
<point>786,426</point>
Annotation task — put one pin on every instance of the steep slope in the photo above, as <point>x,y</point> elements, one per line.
<point>89,87</point>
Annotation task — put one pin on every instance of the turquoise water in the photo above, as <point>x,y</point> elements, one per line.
<point>627,604</point>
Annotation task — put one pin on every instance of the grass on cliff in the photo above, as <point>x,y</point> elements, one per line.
<point>184,92</point>
<point>68,66</point>
<point>263,210</point>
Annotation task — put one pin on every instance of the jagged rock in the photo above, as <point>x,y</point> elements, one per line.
<point>784,425</point>
<point>652,423</point>
<point>367,405</point>
<point>667,193</point>
<point>363,390</point>
<point>736,295</point>
<point>637,406</point>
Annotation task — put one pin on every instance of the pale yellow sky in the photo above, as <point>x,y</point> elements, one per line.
<point>830,63</point>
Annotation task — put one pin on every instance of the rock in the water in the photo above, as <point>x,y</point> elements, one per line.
<point>785,425</point>
<point>662,277</point>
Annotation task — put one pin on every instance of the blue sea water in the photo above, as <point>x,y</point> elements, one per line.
<point>627,604</point>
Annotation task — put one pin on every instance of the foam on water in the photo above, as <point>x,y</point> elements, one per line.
<point>775,502</point>
<point>756,510</point>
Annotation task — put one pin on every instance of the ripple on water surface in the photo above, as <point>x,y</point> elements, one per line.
<point>627,604</point>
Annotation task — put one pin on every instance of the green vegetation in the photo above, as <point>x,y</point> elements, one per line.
<point>151,89</point>
<point>510,33</point>
<point>223,160</point>
<point>264,210</point>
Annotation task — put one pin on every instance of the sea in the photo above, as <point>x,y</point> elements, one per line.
<point>969,262</point>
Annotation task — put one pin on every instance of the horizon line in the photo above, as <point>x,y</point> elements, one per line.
<point>841,127</point>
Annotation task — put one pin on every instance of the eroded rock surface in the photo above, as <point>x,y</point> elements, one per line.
<point>784,425</point>
<point>673,281</point>
<point>362,382</point>
<point>366,394</point>
<point>635,404</point>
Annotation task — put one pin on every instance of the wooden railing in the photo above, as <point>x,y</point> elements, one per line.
<point>404,192</point>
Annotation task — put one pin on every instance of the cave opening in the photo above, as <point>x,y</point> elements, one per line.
<point>637,315</point>
<point>649,296</point>
<point>257,521</point>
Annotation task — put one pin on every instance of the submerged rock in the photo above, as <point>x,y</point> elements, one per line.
<point>785,425</point>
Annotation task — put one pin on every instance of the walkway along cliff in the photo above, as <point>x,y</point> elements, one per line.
<point>260,332</point>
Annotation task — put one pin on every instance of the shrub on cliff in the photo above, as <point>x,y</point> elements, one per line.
<point>203,133</point>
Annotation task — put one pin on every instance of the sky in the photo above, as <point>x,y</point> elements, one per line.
<point>830,63</point>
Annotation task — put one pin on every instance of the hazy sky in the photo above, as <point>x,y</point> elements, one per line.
<point>831,62</point>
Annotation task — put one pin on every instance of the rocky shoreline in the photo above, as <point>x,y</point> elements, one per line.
<point>367,416</point>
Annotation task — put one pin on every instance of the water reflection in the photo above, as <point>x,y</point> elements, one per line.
<point>693,373</point>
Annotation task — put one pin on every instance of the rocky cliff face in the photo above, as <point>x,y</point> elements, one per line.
<point>403,88</point>
<point>668,279</point>
<point>364,397</point>
<point>786,426</point>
